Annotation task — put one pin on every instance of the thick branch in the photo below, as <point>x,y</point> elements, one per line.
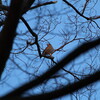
<point>2,7</point>
<point>77,52</point>
<point>8,33</point>
<point>63,91</point>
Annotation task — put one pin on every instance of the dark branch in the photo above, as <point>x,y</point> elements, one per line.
<point>67,89</point>
<point>77,52</point>
<point>44,4</point>
<point>33,34</point>
<point>81,14</point>
<point>26,5</point>
<point>63,91</point>
<point>66,70</point>
<point>85,5</point>
<point>76,9</point>
<point>7,35</point>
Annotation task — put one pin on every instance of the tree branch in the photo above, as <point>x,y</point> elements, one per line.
<point>81,14</point>
<point>66,70</point>
<point>33,34</point>
<point>76,9</point>
<point>26,5</point>
<point>74,54</point>
<point>7,34</point>
<point>68,89</point>
<point>39,5</point>
<point>85,5</point>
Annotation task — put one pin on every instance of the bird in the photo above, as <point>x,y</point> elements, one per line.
<point>48,51</point>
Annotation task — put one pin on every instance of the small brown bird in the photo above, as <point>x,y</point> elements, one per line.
<point>49,50</point>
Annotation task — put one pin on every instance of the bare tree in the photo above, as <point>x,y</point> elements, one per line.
<point>27,26</point>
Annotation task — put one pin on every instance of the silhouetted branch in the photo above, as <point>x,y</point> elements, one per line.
<point>3,7</point>
<point>67,89</point>
<point>74,54</point>
<point>33,34</point>
<point>66,70</point>
<point>7,35</point>
<point>63,91</point>
<point>43,4</point>
<point>26,5</point>
<point>76,9</point>
<point>85,5</point>
<point>81,14</point>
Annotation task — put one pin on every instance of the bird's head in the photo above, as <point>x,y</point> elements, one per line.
<point>48,44</point>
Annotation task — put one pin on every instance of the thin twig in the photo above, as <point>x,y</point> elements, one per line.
<point>47,3</point>
<point>76,9</point>
<point>66,70</point>
<point>85,5</point>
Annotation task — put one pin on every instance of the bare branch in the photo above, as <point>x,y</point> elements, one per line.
<point>81,14</point>
<point>66,70</point>
<point>77,52</point>
<point>70,88</point>
<point>33,34</point>
<point>26,5</point>
<point>47,3</point>
<point>76,9</point>
<point>85,5</point>
<point>7,35</point>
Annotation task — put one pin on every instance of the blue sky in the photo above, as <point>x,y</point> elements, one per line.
<point>55,36</point>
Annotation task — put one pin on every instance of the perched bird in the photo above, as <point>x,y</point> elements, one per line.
<point>48,51</point>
